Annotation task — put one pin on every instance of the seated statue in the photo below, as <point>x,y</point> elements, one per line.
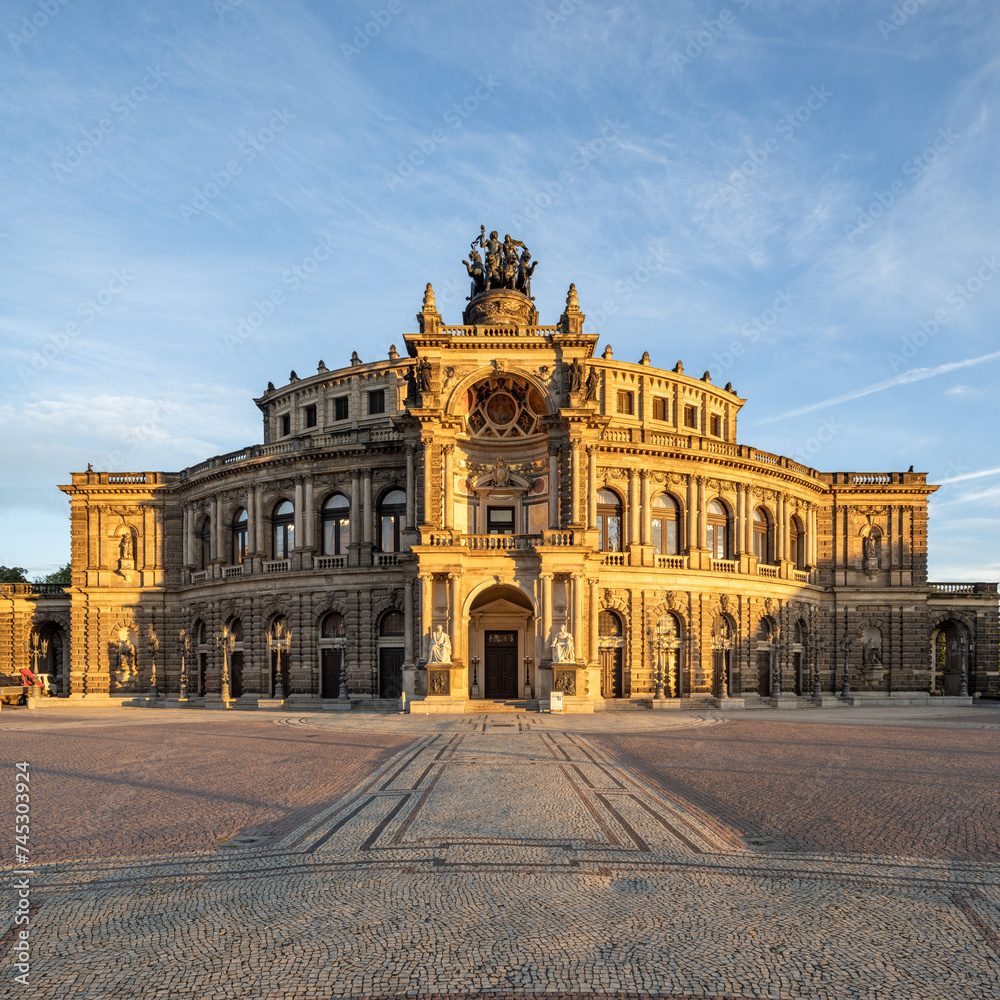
<point>440,651</point>
<point>562,648</point>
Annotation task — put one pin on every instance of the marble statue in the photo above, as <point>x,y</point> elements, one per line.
<point>440,651</point>
<point>562,648</point>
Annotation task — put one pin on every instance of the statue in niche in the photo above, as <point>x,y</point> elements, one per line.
<point>562,648</point>
<point>871,549</point>
<point>126,659</point>
<point>125,548</point>
<point>576,376</point>
<point>423,375</point>
<point>440,651</point>
<point>593,385</point>
<point>871,649</point>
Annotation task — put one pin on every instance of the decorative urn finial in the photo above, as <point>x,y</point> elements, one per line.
<point>572,302</point>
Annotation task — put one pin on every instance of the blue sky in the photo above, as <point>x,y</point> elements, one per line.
<point>810,183</point>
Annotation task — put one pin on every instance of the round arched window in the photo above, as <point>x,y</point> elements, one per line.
<point>609,625</point>
<point>283,524</point>
<point>718,530</point>
<point>666,525</point>
<point>761,535</point>
<point>392,521</point>
<point>336,525</point>
<point>609,521</point>
<point>332,625</point>
<point>239,537</point>
<point>393,623</point>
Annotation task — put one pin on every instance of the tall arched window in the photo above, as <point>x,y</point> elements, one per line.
<point>611,633</point>
<point>666,526</point>
<point>330,664</point>
<point>609,521</point>
<point>392,520</point>
<point>718,530</point>
<point>763,536</point>
<point>239,537</point>
<point>283,523</point>
<point>205,544</point>
<point>336,525</point>
<point>390,654</point>
<point>797,539</point>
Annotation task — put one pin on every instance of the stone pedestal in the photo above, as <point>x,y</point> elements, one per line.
<point>784,701</point>
<point>270,704</point>
<point>729,704</point>
<point>666,704</point>
<point>447,690</point>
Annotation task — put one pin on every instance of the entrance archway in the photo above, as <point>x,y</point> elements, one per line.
<point>501,643</point>
<point>949,648</point>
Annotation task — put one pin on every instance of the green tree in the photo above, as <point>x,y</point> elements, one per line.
<point>13,574</point>
<point>59,576</point>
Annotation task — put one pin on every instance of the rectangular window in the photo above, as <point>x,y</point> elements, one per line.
<point>624,402</point>
<point>691,417</point>
<point>661,408</point>
<point>500,521</point>
<point>311,415</point>
<point>286,424</point>
<point>340,410</point>
<point>716,425</point>
<point>376,401</point>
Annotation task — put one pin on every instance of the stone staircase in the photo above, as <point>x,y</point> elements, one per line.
<point>511,705</point>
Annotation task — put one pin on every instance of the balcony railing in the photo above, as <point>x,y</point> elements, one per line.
<point>671,562</point>
<point>613,559</point>
<point>199,576</point>
<point>768,571</point>
<point>556,537</point>
<point>388,559</point>
<point>500,542</point>
<point>228,572</point>
<point>800,576</point>
<point>964,589</point>
<point>725,565</point>
<point>331,562</point>
<point>277,566</point>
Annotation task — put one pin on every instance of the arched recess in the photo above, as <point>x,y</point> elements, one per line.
<point>611,644</point>
<point>948,651</point>
<point>667,634</point>
<point>724,649</point>
<point>331,628</point>
<point>48,649</point>
<point>489,393</point>
<point>800,656</point>
<point>766,651</point>
<point>235,625</point>
<point>390,651</point>
<point>501,641</point>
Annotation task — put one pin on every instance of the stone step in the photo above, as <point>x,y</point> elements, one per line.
<point>501,706</point>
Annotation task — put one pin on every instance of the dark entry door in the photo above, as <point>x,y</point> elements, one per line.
<point>797,666</point>
<point>764,673</point>
<point>501,664</point>
<point>330,673</point>
<point>611,673</point>
<point>390,673</point>
<point>236,669</point>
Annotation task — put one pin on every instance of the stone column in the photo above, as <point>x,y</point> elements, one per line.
<point>259,512</point>
<point>738,531</point>
<point>308,513</point>
<point>691,515</point>
<point>428,482</point>
<point>185,536</point>
<point>251,522</point>
<point>702,515</point>
<point>591,486</point>
<point>546,616</point>
<point>299,540</point>
<point>574,475</point>
<point>779,529</point>
<point>646,512</point>
<point>366,522</point>
<point>592,657</point>
<point>426,608</point>
<point>454,615</point>
<point>635,514</point>
<point>217,529</point>
<point>408,621</point>
<point>553,488</point>
<point>411,487</point>
<point>747,520</point>
<point>448,513</point>
<point>578,616</point>
<point>355,508</point>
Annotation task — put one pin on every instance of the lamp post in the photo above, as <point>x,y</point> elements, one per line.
<point>152,645</point>
<point>775,663</point>
<point>845,644</point>
<point>960,647</point>
<point>340,641</point>
<point>658,637</point>
<point>279,641</point>
<point>184,649</point>
<point>225,640</point>
<point>819,645</point>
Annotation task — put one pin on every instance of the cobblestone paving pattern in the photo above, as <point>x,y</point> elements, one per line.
<point>508,856</point>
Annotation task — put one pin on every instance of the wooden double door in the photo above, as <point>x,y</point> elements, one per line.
<point>611,673</point>
<point>329,673</point>
<point>500,655</point>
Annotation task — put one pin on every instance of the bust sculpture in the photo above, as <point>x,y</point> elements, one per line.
<point>440,651</point>
<point>562,648</point>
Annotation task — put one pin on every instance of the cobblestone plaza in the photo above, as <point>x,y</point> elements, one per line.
<point>197,854</point>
